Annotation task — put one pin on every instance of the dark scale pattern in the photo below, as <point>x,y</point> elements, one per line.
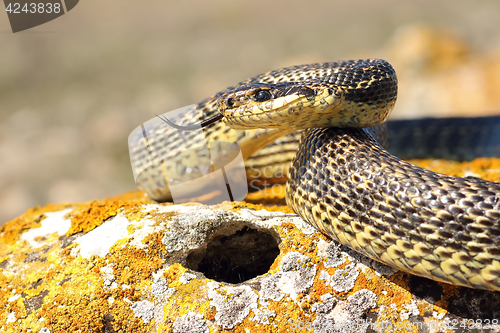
<point>376,77</point>
<point>436,226</point>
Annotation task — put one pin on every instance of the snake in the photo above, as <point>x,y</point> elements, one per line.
<point>343,182</point>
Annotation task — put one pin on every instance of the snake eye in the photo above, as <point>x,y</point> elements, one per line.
<point>263,95</point>
<point>229,102</point>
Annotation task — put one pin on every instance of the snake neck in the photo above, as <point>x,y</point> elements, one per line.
<point>445,228</point>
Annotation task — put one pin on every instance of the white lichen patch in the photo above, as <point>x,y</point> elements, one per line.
<point>159,286</point>
<point>188,231</point>
<point>191,322</point>
<point>332,253</point>
<point>186,277</point>
<point>303,226</point>
<point>296,274</point>
<point>233,304</point>
<point>144,310</point>
<point>328,302</point>
<point>13,298</point>
<point>344,279</point>
<point>361,301</point>
<point>108,276</point>
<point>11,317</point>
<point>325,276</point>
<point>99,240</point>
<point>262,316</point>
<point>410,310</point>
<point>269,288</point>
<point>55,222</point>
<point>344,316</point>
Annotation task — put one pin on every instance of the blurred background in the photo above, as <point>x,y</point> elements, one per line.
<point>73,89</point>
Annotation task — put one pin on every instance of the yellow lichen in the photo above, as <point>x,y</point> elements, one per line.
<point>173,273</point>
<point>270,208</point>
<point>87,216</point>
<point>486,168</point>
<point>10,231</point>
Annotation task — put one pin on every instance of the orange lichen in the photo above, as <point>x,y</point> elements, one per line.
<point>286,313</point>
<point>154,245</point>
<point>133,265</point>
<point>270,208</point>
<point>87,216</point>
<point>73,297</point>
<point>10,231</point>
<point>484,168</point>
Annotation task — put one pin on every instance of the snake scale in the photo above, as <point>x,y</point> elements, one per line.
<point>345,184</point>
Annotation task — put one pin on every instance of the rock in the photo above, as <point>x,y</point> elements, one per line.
<point>440,74</point>
<point>128,264</point>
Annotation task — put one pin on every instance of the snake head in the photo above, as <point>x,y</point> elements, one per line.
<point>254,105</point>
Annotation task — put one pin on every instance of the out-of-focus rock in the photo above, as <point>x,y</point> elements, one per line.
<point>441,75</point>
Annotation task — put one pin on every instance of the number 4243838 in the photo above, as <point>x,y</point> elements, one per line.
<point>34,8</point>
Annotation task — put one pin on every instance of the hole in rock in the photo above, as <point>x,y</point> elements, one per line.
<point>235,258</point>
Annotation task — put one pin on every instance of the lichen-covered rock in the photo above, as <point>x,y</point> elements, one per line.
<point>129,265</point>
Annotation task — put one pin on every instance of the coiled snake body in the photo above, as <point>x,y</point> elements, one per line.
<point>346,185</point>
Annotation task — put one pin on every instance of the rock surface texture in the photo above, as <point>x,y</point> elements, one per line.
<point>126,264</point>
